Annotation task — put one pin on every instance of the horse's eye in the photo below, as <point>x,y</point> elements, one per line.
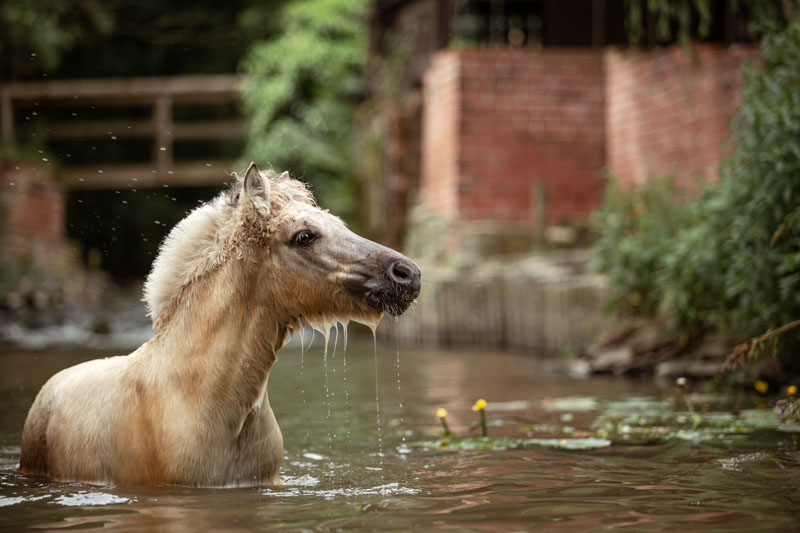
<point>303,238</point>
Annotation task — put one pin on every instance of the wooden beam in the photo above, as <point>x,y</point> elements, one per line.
<point>144,176</point>
<point>188,130</point>
<point>162,124</point>
<point>206,129</point>
<point>227,86</point>
<point>99,129</point>
<point>6,116</point>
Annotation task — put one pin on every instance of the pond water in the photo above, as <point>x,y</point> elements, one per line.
<point>351,464</point>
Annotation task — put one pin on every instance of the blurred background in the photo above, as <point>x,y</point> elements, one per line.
<point>611,181</point>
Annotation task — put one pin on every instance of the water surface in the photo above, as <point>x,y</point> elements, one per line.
<point>338,476</point>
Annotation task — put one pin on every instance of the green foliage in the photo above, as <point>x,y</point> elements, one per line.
<point>667,14</point>
<point>672,19</point>
<point>637,228</point>
<point>37,33</point>
<point>730,260</point>
<point>301,93</point>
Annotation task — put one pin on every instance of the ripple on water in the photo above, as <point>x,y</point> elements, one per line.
<point>77,499</point>
<point>389,489</point>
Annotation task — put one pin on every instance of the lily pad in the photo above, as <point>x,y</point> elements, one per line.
<point>506,443</point>
<point>588,443</point>
<point>572,403</point>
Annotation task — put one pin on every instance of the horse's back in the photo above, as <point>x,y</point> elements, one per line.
<point>65,432</point>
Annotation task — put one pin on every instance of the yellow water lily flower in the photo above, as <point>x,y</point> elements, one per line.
<point>441,412</point>
<point>791,390</point>
<point>761,386</point>
<point>480,405</point>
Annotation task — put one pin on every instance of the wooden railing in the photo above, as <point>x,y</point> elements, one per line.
<point>158,93</point>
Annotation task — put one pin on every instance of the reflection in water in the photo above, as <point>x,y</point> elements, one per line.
<point>335,479</point>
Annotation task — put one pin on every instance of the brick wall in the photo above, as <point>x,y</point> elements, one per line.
<point>530,119</point>
<point>32,208</point>
<point>669,112</point>
<point>440,139</point>
<point>501,124</point>
<point>510,133</point>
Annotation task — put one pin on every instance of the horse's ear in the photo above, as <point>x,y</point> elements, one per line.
<point>256,188</point>
<point>254,183</point>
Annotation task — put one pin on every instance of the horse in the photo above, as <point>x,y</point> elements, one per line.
<point>230,284</point>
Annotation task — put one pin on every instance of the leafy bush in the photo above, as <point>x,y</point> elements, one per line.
<point>637,228</point>
<point>731,260</point>
<point>301,93</point>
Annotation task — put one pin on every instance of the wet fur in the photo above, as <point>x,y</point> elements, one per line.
<point>191,406</point>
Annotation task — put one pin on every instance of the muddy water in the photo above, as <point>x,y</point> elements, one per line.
<point>338,477</point>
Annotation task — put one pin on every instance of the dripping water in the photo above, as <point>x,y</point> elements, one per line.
<point>403,448</point>
<point>377,399</point>
<point>327,334</point>
<point>346,389</point>
<point>302,378</point>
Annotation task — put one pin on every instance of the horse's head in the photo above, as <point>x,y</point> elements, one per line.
<point>318,269</point>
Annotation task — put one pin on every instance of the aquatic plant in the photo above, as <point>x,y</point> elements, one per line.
<point>441,414</point>
<point>789,408</point>
<point>479,406</point>
<point>761,386</point>
<point>696,417</point>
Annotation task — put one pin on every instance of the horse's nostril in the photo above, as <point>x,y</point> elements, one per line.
<point>401,272</point>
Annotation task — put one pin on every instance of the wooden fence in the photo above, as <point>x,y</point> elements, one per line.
<point>516,308</point>
<point>157,93</point>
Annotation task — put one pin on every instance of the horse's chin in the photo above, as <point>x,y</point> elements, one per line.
<point>384,304</point>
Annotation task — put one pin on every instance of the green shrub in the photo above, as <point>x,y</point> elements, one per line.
<point>731,259</point>
<point>301,93</point>
<point>636,228</point>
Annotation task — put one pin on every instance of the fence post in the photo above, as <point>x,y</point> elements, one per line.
<point>6,116</point>
<point>162,121</point>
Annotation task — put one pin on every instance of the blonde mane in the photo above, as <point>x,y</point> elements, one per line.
<point>212,233</point>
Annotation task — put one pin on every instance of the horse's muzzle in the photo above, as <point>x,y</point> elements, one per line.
<point>387,281</point>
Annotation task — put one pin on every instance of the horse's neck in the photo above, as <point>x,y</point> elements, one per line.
<point>222,341</point>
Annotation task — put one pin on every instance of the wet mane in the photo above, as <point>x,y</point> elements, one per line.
<point>212,233</point>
